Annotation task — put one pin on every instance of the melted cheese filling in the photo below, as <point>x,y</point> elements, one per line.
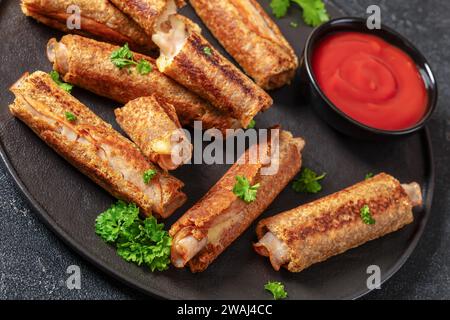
<point>170,35</point>
<point>226,222</point>
<point>162,146</point>
<point>173,150</point>
<point>186,246</point>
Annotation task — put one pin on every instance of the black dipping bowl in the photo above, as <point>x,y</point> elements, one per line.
<point>333,115</point>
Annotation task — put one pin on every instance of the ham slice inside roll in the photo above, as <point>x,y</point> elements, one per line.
<point>186,246</point>
<point>414,193</point>
<point>272,247</point>
<point>106,152</point>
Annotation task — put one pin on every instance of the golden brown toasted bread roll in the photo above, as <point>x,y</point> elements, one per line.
<point>188,58</point>
<point>147,12</point>
<point>93,146</point>
<point>99,18</point>
<point>313,232</point>
<point>249,35</point>
<point>86,63</point>
<point>155,129</point>
<point>220,217</point>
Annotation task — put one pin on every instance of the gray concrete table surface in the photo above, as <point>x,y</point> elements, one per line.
<point>33,261</point>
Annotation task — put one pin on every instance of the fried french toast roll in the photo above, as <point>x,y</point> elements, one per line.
<point>86,63</point>
<point>98,18</point>
<point>316,231</point>
<point>155,129</point>
<point>220,217</point>
<point>189,59</point>
<point>93,146</point>
<point>250,36</point>
<point>146,13</point>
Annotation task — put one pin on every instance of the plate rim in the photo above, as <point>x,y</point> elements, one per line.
<point>68,240</point>
<point>44,217</point>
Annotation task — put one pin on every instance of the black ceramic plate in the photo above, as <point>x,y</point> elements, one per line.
<point>68,202</point>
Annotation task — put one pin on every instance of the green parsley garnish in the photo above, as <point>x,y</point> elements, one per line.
<point>366,216</point>
<point>123,58</point>
<point>65,86</point>
<point>70,116</point>
<point>314,11</point>
<point>139,241</point>
<point>207,51</point>
<point>368,176</point>
<point>144,67</point>
<point>308,181</point>
<point>149,175</point>
<point>244,191</point>
<point>280,7</point>
<point>252,124</point>
<point>277,289</point>
<point>293,24</point>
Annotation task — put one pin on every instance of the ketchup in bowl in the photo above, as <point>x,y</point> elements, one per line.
<point>370,80</point>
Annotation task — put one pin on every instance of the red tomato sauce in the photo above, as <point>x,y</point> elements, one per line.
<point>370,80</point>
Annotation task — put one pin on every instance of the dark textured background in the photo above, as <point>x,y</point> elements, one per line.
<point>33,261</point>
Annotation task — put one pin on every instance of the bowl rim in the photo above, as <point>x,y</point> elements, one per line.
<point>431,85</point>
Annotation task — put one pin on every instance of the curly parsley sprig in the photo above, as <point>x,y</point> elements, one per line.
<point>277,289</point>
<point>56,78</point>
<point>252,124</point>
<point>149,175</point>
<point>70,116</point>
<point>368,176</point>
<point>243,190</point>
<point>308,181</point>
<point>123,58</point>
<point>144,242</point>
<point>366,215</point>
<point>314,11</point>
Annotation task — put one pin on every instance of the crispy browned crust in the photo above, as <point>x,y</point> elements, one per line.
<point>147,122</point>
<point>331,225</point>
<point>251,37</point>
<point>143,12</point>
<point>146,12</point>
<point>221,197</point>
<point>40,92</point>
<point>190,25</point>
<point>99,19</point>
<point>217,80</point>
<point>90,67</point>
<point>180,3</point>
